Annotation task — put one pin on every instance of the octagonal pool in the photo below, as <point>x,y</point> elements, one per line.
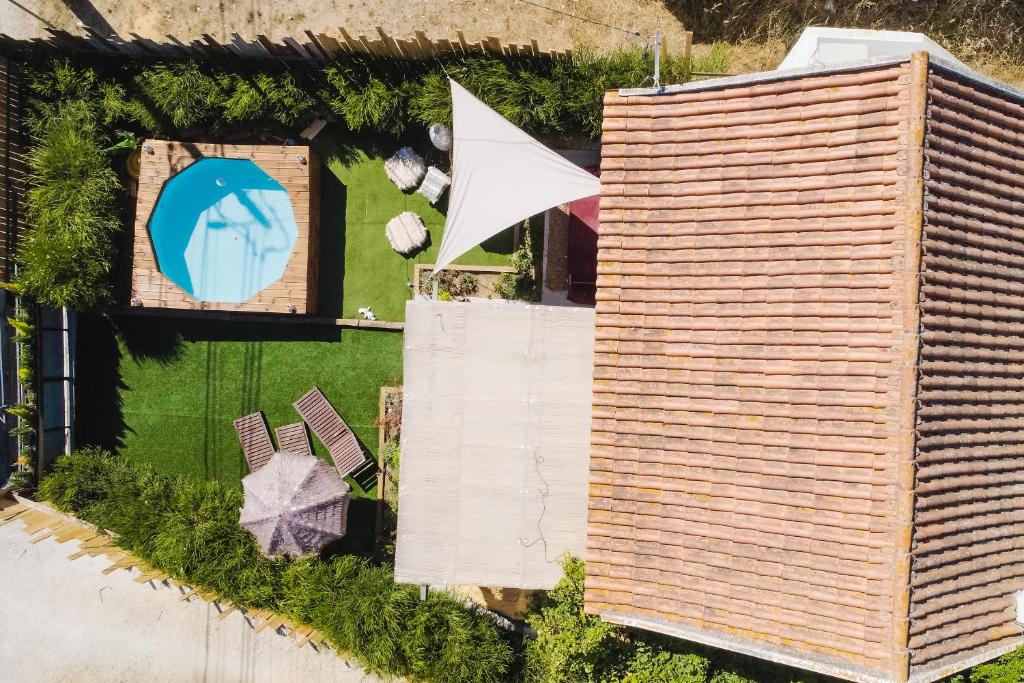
<point>222,230</point>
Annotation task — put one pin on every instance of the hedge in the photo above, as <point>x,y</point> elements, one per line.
<point>190,530</point>
<point>77,111</point>
<point>558,97</point>
<point>66,253</point>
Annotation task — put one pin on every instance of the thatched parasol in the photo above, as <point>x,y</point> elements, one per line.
<point>294,505</point>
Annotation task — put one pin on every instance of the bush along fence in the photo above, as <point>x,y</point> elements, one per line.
<point>189,529</point>
<point>81,117</point>
<point>25,411</point>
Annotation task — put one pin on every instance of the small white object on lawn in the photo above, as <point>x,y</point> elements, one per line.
<point>434,184</point>
<point>406,232</point>
<point>367,313</point>
<point>405,168</point>
<point>441,136</point>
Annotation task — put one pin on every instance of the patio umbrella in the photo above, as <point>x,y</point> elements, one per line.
<point>294,505</point>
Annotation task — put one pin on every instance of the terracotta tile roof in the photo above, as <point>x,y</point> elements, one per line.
<point>750,329</point>
<point>807,431</point>
<point>969,539</point>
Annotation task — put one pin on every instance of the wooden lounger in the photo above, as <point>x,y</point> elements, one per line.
<point>257,447</point>
<point>294,439</point>
<point>328,426</point>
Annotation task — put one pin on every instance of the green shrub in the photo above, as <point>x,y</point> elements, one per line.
<point>431,100</point>
<point>366,94</point>
<point>61,80</point>
<point>67,251</point>
<point>19,479</point>
<point>654,665</point>
<point>571,646</point>
<point>1007,669</point>
<point>182,91</point>
<point>190,530</point>
<point>245,100</point>
<point>121,107</point>
<point>524,283</point>
<point>286,100</point>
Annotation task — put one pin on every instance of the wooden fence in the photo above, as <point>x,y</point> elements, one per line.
<point>12,164</point>
<point>310,47</point>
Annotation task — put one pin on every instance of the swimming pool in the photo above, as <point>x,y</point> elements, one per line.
<point>222,230</point>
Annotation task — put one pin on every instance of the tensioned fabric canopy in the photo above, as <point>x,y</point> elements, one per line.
<point>501,176</point>
<point>495,442</point>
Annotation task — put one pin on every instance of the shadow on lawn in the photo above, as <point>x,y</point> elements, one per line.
<point>99,416</point>
<point>333,198</point>
<point>360,536</point>
<point>161,338</point>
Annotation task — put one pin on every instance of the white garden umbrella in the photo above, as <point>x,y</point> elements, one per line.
<point>294,505</point>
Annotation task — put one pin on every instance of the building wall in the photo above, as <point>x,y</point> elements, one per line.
<point>968,552</point>
<point>754,367</point>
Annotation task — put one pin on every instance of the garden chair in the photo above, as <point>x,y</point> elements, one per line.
<point>293,438</point>
<point>257,446</point>
<point>328,426</point>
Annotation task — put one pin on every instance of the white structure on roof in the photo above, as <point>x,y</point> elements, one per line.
<point>501,176</point>
<point>824,46</point>
<point>495,442</point>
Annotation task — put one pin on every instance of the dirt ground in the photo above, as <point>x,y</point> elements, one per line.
<point>518,21</point>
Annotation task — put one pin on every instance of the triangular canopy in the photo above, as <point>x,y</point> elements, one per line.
<point>501,176</point>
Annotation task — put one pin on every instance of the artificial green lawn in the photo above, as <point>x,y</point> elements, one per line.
<point>175,385</point>
<point>357,202</point>
<point>165,390</point>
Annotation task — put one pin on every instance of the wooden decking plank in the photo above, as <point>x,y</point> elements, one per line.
<point>272,623</point>
<point>226,612</point>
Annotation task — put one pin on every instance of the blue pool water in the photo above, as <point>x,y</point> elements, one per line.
<point>222,230</point>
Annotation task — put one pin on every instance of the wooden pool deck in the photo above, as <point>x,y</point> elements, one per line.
<point>296,290</point>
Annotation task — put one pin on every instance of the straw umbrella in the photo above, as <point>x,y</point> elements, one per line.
<point>294,505</point>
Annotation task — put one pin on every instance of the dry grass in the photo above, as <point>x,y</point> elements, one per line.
<point>987,35</point>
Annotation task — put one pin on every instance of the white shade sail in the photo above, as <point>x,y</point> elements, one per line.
<point>501,176</point>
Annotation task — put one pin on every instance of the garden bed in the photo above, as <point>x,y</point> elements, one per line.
<point>487,278</point>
